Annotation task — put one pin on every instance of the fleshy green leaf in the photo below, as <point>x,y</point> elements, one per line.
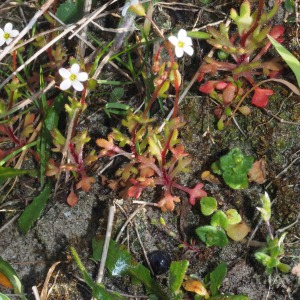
<point>233,216</point>
<point>216,278</point>
<point>70,11</point>
<point>198,35</point>
<point>208,205</point>
<point>176,275</point>
<point>212,236</point>
<point>34,210</point>
<point>219,218</point>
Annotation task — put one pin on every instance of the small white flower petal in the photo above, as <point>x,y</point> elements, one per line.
<point>14,33</point>
<point>179,51</point>
<point>189,50</point>
<point>65,85</point>
<point>64,73</point>
<point>188,41</point>
<point>173,40</point>
<point>8,27</point>
<point>82,76</point>
<point>2,40</point>
<point>8,41</point>
<point>182,35</point>
<point>75,68</point>
<point>1,32</point>
<point>77,85</point>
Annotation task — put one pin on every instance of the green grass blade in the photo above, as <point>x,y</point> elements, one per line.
<point>34,210</point>
<point>288,57</point>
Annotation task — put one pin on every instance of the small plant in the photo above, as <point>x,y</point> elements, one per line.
<point>234,167</point>
<point>156,158</point>
<point>209,289</point>
<point>271,254</point>
<point>221,223</point>
<point>240,54</point>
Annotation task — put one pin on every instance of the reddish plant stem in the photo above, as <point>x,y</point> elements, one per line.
<point>254,26</point>
<point>74,154</point>
<point>12,136</point>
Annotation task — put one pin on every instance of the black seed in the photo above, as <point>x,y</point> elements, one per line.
<point>160,261</point>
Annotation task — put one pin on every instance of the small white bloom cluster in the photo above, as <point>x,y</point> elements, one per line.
<point>72,77</point>
<point>7,35</point>
<point>182,43</point>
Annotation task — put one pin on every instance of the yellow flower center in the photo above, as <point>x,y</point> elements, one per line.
<point>6,35</point>
<point>181,44</point>
<point>73,77</point>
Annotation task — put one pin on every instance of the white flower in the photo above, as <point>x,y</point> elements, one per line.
<point>7,35</point>
<point>127,6</point>
<point>182,43</point>
<point>72,78</point>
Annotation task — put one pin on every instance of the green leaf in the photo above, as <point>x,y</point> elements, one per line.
<point>208,205</point>
<point>198,35</point>
<point>176,275</point>
<point>216,278</point>
<point>288,57</point>
<point>219,218</point>
<point>265,210</point>
<point>3,297</point>
<point>70,11</point>
<point>233,216</point>
<point>284,268</point>
<point>119,262</point>
<point>8,271</point>
<point>34,210</point>
<point>212,236</point>
<point>116,94</point>
<point>98,290</point>
<point>229,297</point>
<point>6,173</point>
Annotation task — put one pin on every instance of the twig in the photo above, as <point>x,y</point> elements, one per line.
<point>143,248</point>
<point>111,215</point>
<point>128,221</point>
<point>9,222</point>
<point>36,293</point>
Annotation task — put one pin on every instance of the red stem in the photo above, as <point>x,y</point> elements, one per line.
<point>254,26</point>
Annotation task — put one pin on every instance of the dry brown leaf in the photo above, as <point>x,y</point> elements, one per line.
<point>257,172</point>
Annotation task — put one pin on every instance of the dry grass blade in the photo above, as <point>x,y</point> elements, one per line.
<point>44,293</point>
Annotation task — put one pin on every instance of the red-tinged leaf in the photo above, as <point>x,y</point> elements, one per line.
<point>221,85</point>
<point>207,87</point>
<point>178,151</point>
<point>196,193</point>
<point>229,93</point>
<point>200,76</point>
<point>72,199</point>
<point>85,183</point>
<point>260,97</point>
<point>276,32</point>
<point>167,203</point>
<point>52,168</point>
